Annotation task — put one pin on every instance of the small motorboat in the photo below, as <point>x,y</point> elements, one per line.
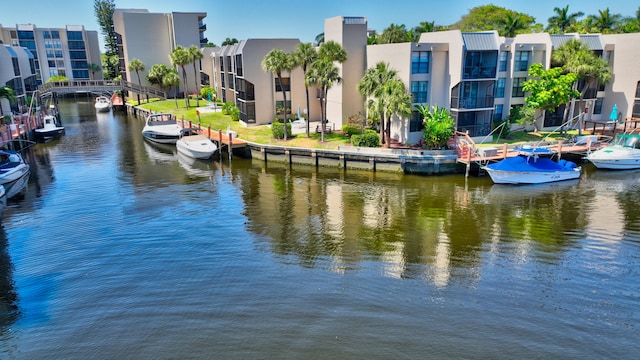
<point>102,104</point>
<point>50,129</point>
<point>14,172</point>
<point>528,167</point>
<point>195,145</point>
<point>622,154</point>
<point>161,128</point>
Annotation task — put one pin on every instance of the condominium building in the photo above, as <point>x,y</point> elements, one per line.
<point>477,76</point>
<point>151,37</point>
<point>68,51</point>
<point>17,71</point>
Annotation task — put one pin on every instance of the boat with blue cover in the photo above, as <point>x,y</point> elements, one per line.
<point>529,167</point>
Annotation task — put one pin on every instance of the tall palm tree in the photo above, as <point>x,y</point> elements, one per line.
<point>574,56</point>
<point>180,57</point>
<point>303,57</point>
<point>196,55</point>
<point>172,79</point>
<point>137,66</point>
<point>606,21</point>
<point>277,62</point>
<point>423,27</point>
<point>372,85</point>
<point>323,74</point>
<point>398,102</point>
<point>94,68</point>
<point>393,34</point>
<point>6,93</point>
<point>332,51</point>
<point>512,24</point>
<point>563,20</point>
<point>319,39</point>
<point>156,74</point>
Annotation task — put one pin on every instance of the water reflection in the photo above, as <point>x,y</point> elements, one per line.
<point>9,310</point>
<point>329,219</point>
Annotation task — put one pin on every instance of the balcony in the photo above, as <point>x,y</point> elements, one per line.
<point>479,72</point>
<point>479,102</point>
<point>202,27</point>
<point>204,41</point>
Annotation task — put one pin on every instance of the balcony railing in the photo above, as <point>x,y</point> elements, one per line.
<point>472,103</point>
<point>479,72</point>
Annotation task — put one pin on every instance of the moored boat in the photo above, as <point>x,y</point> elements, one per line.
<point>103,104</point>
<point>50,129</point>
<point>530,168</point>
<point>622,154</point>
<point>193,144</point>
<point>161,128</point>
<point>14,172</point>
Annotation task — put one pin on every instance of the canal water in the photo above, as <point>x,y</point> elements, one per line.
<point>121,249</point>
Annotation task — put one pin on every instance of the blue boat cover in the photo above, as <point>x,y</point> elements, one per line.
<point>530,163</point>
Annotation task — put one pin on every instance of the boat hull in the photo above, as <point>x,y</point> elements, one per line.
<point>615,159</point>
<point>48,134</point>
<point>531,177</point>
<point>160,138</point>
<point>16,180</point>
<point>198,148</point>
<point>103,108</point>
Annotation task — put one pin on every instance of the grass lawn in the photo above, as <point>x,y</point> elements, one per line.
<point>259,134</point>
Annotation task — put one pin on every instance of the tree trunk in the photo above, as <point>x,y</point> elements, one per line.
<point>308,119</point>
<point>284,97</point>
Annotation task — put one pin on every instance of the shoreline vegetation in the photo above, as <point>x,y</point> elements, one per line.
<point>261,134</point>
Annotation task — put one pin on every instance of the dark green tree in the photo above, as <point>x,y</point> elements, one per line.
<point>563,21</point>
<point>103,10</point>
<point>229,41</point>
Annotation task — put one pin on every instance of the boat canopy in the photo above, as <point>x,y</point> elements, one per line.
<point>522,163</point>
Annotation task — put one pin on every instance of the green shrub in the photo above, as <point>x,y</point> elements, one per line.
<point>368,139</point>
<point>277,130</point>
<point>352,129</point>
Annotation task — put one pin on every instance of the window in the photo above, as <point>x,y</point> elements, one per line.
<point>239,65</point>
<point>230,81</point>
<point>279,108</point>
<point>22,34</point>
<point>80,74</point>
<point>16,66</point>
<point>76,45</point>
<point>497,113</point>
<point>500,88</point>
<point>76,55</point>
<point>416,123</point>
<point>516,89</point>
<point>503,60</point>
<point>51,63</point>
<point>74,35</point>
<point>60,63</point>
<point>597,107</point>
<point>419,91</point>
<point>521,61</point>
<point>638,89</point>
<point>419,62</point>
<point>221,63</point>
<point>79,64</point>
<point>55,34</point>
<point>32,64</point>
<point>53,72</point>
<point>285,84</point>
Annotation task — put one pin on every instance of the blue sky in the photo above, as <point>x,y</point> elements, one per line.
<point>300,19</point>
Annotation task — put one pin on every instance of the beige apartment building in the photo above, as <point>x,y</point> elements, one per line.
<point>151,37</point>
<point>17,71</point>
<point>477,76</point>
<point>67,51</point>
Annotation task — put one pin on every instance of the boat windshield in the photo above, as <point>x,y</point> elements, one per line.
<point>632,142</point>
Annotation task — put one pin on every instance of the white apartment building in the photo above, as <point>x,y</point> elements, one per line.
<point>17,71</point>
<point>67,51</point>
<point>151,37</point>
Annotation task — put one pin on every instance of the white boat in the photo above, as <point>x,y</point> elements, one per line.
<point>161,128</point>
<point>193,144</point>
<point>528,167</point>
<point>102,104</point>
<point>622,154</point>
<point>14,172</point>
<point>50,129</point>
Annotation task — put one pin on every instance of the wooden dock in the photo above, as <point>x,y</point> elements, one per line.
<point>217,136</point>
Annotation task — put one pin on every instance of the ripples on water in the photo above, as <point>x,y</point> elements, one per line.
<point>123,249</point>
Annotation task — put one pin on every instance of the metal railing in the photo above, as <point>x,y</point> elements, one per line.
<point>73,86</point>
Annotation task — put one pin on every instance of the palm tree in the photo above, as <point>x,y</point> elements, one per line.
<point>323,73</point>
<point>371,85</point>
<point>333,51</point>
<point>393,34</point>
<point>303,57</point>
<point>423,27</point>
<point>172,79</point>
<point>563,20</point>
<point>94,68</point>
<point>605,21</point>
<point>574,56</point>
<point>196,55</point>
<point>156,75</point>
<point>277,62</point>
<point>137,66</point>
<point>398,102</point>
<point>6,93</point>
<point>512,25</point>
<point>319,39</point>
<point>180,57</point>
